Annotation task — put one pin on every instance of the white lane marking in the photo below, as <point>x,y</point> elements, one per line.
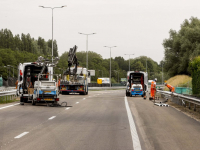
<point>52,117</point>
<point>19,136</point>
<point>83,98</point>
<point>67,108</point>
<point>135,138</point>
<point>77,102</point>
<point>9,106</point>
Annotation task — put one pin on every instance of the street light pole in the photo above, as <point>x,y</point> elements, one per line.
<point>117,74</point>
<point>110,61</point>
<point>13,69</point>
<point>162,73</point>
<point>52,8</point>
<point>146,65</point>
<point>129,59</point>
<point>7,74</point>
<point>87,47</point>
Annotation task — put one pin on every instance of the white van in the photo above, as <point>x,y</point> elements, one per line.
<point>28,74</point>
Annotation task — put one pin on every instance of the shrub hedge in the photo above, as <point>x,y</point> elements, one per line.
<point>195,69</point>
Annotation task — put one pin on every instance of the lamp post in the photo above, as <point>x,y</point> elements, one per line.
<point>117,74</point>
<point>13,69</point>
<point>62,71</point>
<point>129,59</point>
<point>7,74</point>
<point>7,71</point>
<point>110,61</point>
<point>162,73</point>
<point>52,8</point>
<point>146,65</point>
<point>102,73</point>
<point>86,47</point>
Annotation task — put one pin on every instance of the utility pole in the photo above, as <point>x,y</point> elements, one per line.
<point>110,61</point>
<point>87,47</point>
<point>129,59</point>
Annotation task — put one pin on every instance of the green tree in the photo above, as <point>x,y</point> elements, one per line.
<point>181,47</point>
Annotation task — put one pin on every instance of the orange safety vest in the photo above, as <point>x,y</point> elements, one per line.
<point>58,82</point>
<point>153,85</point>
<point>172,89</point>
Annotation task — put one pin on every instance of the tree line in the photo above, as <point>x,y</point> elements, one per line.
<point>120,66</point>
<point>19,49</point>
<point>26,43</point>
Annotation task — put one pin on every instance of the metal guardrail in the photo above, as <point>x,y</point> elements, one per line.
<point>182,99</point>
<point>107,88</point>
<point>4,93</point>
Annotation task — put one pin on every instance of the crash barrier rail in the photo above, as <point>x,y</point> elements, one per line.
<point>6,88</point>
<point>8,94</point>
<point>98,85</point>
<point>187,101</point>
<point>104,84</point>
<point>106,88</point>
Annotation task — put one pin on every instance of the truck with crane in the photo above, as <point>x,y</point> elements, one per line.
<point>75,79</point>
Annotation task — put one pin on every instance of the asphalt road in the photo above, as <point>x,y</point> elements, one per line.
<point>98,121</point>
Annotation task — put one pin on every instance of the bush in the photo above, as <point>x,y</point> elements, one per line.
<point>195,68</point>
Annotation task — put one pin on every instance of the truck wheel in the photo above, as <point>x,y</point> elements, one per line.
<point>21,101</point>
<point>127,93</point>
<point>33,102</point>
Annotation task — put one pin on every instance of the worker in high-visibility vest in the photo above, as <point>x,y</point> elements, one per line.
<point>153,89</point>
<point>171,88</point>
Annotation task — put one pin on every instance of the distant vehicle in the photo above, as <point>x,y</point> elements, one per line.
<point>105,80</point>
<point>136,89</point>
<point>137,77</point>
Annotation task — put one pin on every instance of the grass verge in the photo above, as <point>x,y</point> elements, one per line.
<point>7,99</point>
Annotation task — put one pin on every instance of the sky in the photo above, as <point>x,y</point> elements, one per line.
<point>135,26</point>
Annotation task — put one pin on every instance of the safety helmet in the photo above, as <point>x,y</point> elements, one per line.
<point>155,79</point>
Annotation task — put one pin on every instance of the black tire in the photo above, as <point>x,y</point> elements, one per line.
<point>126,93</point>
<point>33,102</point>
<point>21,99</point>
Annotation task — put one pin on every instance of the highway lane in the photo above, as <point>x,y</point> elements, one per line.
<point>164,128</point>
<point>96,121</point>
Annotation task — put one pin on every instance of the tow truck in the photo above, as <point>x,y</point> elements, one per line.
<point>74,78</point>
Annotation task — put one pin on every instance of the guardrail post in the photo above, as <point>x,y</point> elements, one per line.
<point>194,107</point>
<point>189,106</point>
